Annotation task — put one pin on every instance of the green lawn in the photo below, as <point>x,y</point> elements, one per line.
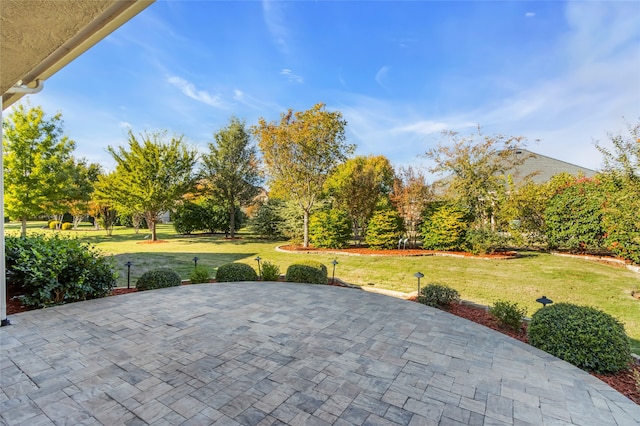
<point>483,281</point>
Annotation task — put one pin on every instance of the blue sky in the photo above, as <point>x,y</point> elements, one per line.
<point>400,72</point>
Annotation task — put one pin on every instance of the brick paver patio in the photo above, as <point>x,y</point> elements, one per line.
<point>275,353</point>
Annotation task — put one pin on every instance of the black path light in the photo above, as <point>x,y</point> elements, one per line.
<point>258,259</point>
<point>195,261</point>
<point>334,262</point>
<point>418,275</point>
<point>545,301</point>
<point>128,265</point>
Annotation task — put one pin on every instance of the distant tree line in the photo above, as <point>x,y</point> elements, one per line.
<point>319,193</point>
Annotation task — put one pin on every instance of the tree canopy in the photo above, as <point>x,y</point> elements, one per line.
<point>230,170</point>
<point>357,185</point>
<point>151,176</point>
<point>300,152</point>
<point>37,159</point>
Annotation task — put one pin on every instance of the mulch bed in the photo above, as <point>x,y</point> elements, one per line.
<point>364,251</point>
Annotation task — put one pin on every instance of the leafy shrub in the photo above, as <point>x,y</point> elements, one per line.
<point>574,216</point>
<point>444,228</point>
<point>270,272</point>
<point>330,229</point>
<point>158,278</point>
<point>483,241</point>
<point>585,337</point>
<point>53,224</point>
<point>66,226</point>
<point>307,272</point>
<point>57,270</point>
<point>230,272</point>
<point>188,218</point>
<point>438,295</point>
<point>199,274</point>
<point>384,230</point>
<point>508,314</point>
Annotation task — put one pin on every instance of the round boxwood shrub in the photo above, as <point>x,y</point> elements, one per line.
<point>230,272</point>
<point>438,295</point>
<point>66,226</point>
<point>585,337</point>
<point>158,278</point>
<point>307,272</point>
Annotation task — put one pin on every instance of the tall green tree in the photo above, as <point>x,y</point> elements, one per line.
<point>151,176</point>
<point>231,170</point>
<point>477,167</point>
<point>300,152</point>
<point>83,175</point>
<point>36,158</point>
<point>356,187</point>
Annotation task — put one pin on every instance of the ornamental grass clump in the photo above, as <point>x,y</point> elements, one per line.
<point>438,295</point>
<point>270,272</point>
<point>508,314</point>
<point>307,272</point>
<point>583,336</point>
<point>158,278</point>
<point>199,274</point>
<point>232,272</point>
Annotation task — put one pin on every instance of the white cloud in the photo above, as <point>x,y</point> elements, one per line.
<point>190,90</point>
<point>293,78</point>
<point>530,14</point>
<point>125,125</point>
<point>275,21</point>
<point>381,76</point>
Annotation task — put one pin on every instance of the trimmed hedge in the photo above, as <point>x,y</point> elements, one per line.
<point>438,295</point>
<point>585,337</point>
<point>158,278</point>
<point>307,272</point>
<point>230,272</point>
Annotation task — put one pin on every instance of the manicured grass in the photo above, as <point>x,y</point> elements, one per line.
<point>483,281</point>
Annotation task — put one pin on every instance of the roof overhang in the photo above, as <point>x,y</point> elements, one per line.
<point>39,37</point>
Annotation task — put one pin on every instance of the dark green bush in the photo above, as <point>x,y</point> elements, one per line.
<point>585,337</point>
<point>199,274</point>
<point>330,229</point>
<point>438,295</point>
<point>384,230</point>
<point>508,314</point>
<point>270,272</point>
<point>158,278</point>
<point>188,218</point>
<point>307,272</point>
<point>57,270</point>
<point>268,221</point>
<point>230,272</point>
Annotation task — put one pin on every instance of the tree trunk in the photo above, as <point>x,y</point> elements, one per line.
<point>153,230</point>
<point>23,227</point>
<point>305,240</point>
<point>232,220</point>
<point>77,220</point>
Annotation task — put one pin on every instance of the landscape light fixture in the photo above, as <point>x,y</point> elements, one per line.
<point>195,261</point>
<point>334,262</point>
<point>258,259</point>
<point>545,301</point>
<point>418,275</point>
<point>128,265</point>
